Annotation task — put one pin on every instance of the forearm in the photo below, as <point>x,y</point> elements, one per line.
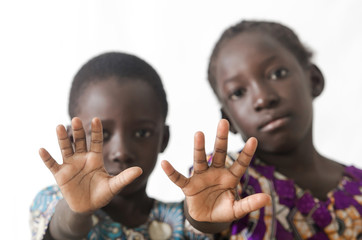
<point>206,227</point>
<point>66,224</point>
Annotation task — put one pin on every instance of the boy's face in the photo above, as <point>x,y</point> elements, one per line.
<point>264,91</point>
<point>133,126</point>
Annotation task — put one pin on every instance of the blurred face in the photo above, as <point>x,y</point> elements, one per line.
<point>264,91</point>
<point>133,126</point>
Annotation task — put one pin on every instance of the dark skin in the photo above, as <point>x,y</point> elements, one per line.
<point>211,201</point>
<point>265,93</point>
<point>259,78</point>
<point>110,175</point>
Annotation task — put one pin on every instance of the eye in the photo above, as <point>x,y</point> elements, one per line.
<point>278,74</point>
<point>143,133</point>
<point>237,94</point>
<point>106,135</point>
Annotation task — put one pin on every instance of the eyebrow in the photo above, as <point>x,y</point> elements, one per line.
<point>145,121</point>
<point>268,60</point>
<point>264,63</point>
<point>138,121</point>
<point>230,80</point>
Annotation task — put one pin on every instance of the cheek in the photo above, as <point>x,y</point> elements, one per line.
<point>302,102</point>
<point>105,154</point>
<point>148,153</point>
<point>297,90</point>
<point>240,116</point>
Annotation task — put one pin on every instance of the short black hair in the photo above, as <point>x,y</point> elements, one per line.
<point>123,66</point>
<point>280,32</point>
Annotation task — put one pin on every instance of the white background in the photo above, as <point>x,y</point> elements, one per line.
<point>43,44</point>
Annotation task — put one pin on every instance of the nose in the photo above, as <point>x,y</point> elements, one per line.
<point>120,149</point>
<point>265,96</point>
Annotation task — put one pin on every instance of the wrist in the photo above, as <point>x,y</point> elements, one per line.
<point>67,224</point>
<point>205,227</point>
<point>64,206</point>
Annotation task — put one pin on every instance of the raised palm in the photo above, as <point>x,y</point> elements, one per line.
<point>82,178</point>
<point>210,193</point>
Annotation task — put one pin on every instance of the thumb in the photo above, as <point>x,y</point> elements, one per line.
<point>124,178</point>
<point>176,177</point>
<point>250,204</point>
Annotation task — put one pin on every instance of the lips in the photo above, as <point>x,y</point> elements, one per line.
<point>115,171</point>
<point>274,123</point>
<point>113,174</point>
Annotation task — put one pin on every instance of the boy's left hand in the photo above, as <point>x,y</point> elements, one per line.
<point>210,193</point>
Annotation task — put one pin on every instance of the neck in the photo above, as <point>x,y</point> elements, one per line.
<point>306,166</point>
<point>301,158</point>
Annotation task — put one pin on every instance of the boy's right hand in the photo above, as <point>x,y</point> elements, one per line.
<point>82,178</point>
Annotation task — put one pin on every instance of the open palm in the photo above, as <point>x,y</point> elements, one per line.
<point>84,182</point>
<point>210,193</point>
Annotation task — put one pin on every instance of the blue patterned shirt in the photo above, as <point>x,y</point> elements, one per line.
<point>166,221</point>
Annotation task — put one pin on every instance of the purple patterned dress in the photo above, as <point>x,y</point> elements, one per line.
<point>294,213</point>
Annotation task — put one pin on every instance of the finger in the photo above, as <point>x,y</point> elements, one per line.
<point>97,136</point>
<point>64,142</point>
<point>242,162</point>
<point>79,136</point>
<point>176,177</point>
<point>249,204</point>
<point>49,161</point>
<point>124,178</point>
<point>200,163</point>
<point>221,142</point>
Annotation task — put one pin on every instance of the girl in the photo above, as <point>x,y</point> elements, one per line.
<point>266,83</point>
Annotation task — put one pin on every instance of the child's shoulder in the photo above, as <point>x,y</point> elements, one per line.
<point>168,210</point>
<point>45,196</point>
<point>354,173</point>
<point>50,190</point>
<point>42,209</point>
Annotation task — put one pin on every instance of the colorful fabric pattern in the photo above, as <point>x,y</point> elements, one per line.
<point>166,221</point>
<point>294,213</point>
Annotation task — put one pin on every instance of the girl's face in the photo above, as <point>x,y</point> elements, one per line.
<point>264,91</point>
<point>134,131</point>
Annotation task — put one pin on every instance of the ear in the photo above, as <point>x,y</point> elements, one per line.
<point>165,138</point>
<point>317,80</point>
<point>225,116</point>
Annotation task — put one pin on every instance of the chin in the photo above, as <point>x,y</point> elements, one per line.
<point>133,188</point>
<point>278,146</point>
<point>283,150</point>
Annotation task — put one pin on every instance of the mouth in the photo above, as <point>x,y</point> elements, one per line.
<point>274,123</point>
<point>113,174</point>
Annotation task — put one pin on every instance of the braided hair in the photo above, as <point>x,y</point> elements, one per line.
<point>281,33</point>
